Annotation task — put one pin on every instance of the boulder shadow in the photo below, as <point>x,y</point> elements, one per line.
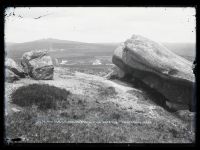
<point>152,94</point>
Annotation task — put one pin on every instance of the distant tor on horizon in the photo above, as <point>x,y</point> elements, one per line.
<point>65,47</point>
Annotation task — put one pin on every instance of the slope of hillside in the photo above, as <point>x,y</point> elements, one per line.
<point>110,112</point>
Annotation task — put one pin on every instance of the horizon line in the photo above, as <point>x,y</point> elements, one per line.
<point>50,38</point>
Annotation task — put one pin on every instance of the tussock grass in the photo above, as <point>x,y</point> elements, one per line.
<point>24,125</point>
<point>107,91</point>
<point>44,96</point>
<point>70,107</point>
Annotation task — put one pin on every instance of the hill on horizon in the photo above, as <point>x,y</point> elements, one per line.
<point>65,48</point>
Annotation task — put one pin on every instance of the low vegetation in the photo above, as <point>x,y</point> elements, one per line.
<point>25,125</point>
<point>107,91</point>
<point>57,115</point>
<point>43,96</point>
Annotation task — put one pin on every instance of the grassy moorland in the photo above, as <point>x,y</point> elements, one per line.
<point>85,107</point>
<point>81,108</point>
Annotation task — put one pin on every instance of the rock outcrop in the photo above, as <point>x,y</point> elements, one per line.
<point>10,76</point>
<point>13,71</point>
<point>157,67</point>
<point>38,65</point>
<point>11,65</point>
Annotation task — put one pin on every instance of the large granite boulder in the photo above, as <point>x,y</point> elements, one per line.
<point>11,65</point>
<point>38,65</point>
<point>157,67</point>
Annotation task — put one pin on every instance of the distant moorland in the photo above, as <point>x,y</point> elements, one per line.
<point>64,49</point>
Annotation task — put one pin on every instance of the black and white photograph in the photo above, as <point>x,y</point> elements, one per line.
<point>100,74</point>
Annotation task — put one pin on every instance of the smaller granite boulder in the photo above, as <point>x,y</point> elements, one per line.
<point>38,65</point>
<point>10,76</point>
<point>11,65</point>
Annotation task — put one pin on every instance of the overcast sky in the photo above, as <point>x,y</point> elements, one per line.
<point>100,24</point>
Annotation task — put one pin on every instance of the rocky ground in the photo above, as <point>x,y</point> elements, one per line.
<point>137,118</point>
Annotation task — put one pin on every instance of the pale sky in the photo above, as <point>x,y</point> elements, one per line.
<point>101,24</point>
